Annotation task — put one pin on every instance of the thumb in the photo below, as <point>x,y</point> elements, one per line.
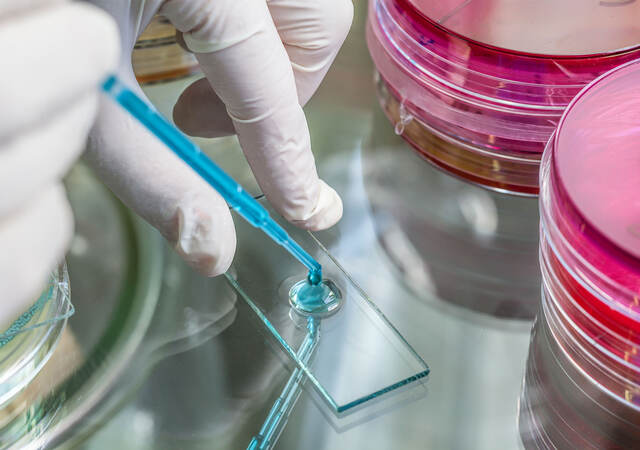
<point>242,56</point>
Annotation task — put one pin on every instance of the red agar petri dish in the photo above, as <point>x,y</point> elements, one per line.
<point>478,87</point>
<point>590,262</point>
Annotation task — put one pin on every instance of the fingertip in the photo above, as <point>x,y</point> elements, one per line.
<point>212,265</point>
<point>206,237</point>
<point>326,213</point>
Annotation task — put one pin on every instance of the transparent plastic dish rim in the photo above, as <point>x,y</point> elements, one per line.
<point>526,159</point>
<point>565,320</point>
<point>583,372</point>
<point>44,329</point>
<point>468,96</point>
<point>426,21</point>
<point>556,240</point>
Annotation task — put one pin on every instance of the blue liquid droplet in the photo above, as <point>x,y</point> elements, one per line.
<point>315,277</point>
<point>313,296</point>
<point>315,299</point>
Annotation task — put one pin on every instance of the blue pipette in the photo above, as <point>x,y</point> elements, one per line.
<point>231,191</point>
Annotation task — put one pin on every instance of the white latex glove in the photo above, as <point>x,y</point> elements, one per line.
<point>54,54</point>
<point>264,59</point>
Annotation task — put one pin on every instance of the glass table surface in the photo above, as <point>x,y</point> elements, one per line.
<point>452,266</point>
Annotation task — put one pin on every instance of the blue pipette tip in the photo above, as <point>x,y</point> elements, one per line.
<point>109,83</point>
<point>314,277</point>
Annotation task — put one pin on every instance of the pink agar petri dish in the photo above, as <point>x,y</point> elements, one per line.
<point>590,262</point>
<point>477,87</point>
<point>591,208</point>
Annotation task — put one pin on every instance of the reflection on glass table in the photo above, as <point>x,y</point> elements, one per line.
<point>211,393</point>
<point>279,413</point>
<point>468,246</point>
<point>565,399</point>
<point>123,324</point>
<point>218,394</point>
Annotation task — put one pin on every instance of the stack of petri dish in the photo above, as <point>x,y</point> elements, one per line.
<point>157,56</point>
<point>478,87</point>
<point>27,345</point>
<point>582,385</point>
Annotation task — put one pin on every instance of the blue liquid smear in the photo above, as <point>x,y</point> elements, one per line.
<point>315,299</point>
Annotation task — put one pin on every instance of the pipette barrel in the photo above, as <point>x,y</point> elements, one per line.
<point>217,178</point>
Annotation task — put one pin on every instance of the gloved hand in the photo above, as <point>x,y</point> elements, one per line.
<point>263,59</point>
<point>54,56</point>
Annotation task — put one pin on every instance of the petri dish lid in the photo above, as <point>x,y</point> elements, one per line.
<point>28,343</point>
<point>520,57</point>
<point>597,156</point>
<point>595,163</point>
<point>544,27</point>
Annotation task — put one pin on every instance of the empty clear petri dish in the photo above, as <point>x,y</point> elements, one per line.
<point>477,87</point>
<point>28,343</point>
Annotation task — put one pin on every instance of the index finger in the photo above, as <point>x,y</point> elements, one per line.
<point>253,77</point>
